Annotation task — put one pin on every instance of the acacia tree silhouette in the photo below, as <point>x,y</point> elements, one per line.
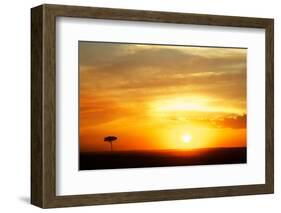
<point>110,139</point>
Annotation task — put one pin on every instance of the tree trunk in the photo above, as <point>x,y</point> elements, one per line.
<point>111,146</point>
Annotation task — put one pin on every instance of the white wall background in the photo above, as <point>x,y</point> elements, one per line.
<point>15,105</point>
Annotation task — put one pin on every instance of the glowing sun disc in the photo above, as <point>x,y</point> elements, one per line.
<point>186,138</point>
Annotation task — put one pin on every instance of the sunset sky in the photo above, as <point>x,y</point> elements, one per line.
<point>161,97</point>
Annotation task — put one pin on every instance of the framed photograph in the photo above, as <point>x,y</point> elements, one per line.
<point>136,106</point>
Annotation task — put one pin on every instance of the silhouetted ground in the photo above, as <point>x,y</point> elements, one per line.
<point>138,159</point>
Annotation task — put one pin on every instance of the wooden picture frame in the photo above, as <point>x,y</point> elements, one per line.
<point>43,105</point>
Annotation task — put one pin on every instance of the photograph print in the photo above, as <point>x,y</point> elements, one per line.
<point>152,105</point>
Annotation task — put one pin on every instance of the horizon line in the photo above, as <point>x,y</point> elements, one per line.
<point>179,149</point>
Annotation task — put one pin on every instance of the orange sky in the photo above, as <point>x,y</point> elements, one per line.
<point>152,96</point>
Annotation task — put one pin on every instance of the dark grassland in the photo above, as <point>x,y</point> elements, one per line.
<point>160,158</point>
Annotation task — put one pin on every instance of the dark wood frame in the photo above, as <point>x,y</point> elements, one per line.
<point>43,105</point>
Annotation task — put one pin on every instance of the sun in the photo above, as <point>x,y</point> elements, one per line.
<point>186,138</point>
